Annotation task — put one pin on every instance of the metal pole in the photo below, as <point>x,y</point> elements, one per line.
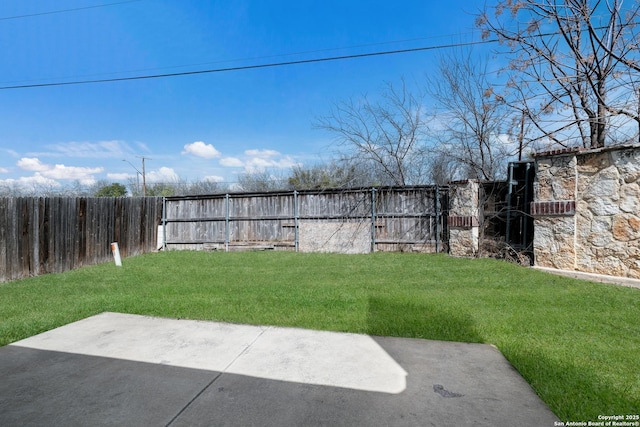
<point>507,236</point>
<point>526,240</point>
<point>521,138</point>
<point>438,218</point>
<point>164,223</point>
<point>373,220</point>
<point>296,215</point>
<point>226,225</point>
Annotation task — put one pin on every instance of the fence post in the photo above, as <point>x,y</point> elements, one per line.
<point>439,218</point>
<point>164,223</point>
<point>510,184</point>
<point>296,215</point>
<point>373,219</point>
<point>226,224</point>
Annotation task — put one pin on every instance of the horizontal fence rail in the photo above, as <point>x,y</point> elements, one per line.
<point>390,218</point>
<point>57,234</point>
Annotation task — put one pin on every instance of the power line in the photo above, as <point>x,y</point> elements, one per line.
<point>258,66</point>
<point>75,9</point>
<point>252,67</point>
<point>224,61</point>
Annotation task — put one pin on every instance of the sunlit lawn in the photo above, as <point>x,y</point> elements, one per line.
<point>577,343</point>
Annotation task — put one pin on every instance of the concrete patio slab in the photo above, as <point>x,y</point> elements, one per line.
<point>121,369</point>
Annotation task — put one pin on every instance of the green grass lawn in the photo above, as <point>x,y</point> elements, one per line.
<point>577,343</point>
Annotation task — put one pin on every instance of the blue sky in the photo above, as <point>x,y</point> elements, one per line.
<point>206,126</point>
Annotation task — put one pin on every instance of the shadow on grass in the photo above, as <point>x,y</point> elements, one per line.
<point>415,319</point>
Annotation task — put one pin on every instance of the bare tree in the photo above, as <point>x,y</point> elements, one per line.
<point>205,186</point>
<point>341,173</point>
<point>10,189</point>
<point>442,168</point>
<point>386,135</point>
<point>261,181</point>
<point>319,177</point>
<point>134,187</point>
<point>471,125</point>
<point>162,189</point>
<point>573,67</point>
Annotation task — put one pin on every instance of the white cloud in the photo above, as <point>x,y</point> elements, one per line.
<point>163,175</point>
<point>231,162</point>
<point>59,171</point>
<point>258,164</point>
<point>214,178</point>
<point>102,149</point>
<point>39,180</point>
<point>4,170</point>
<point>32,164</point>
<point>36,180</point>
<point>12,153</point>
<point>119,176</point>
<point>72,172</point>
<point>142,146</point>
<point>259,161</point>
<point>200,149</point>
<point>262,153</point>
<point>505,139</point>
<point>509,144</point>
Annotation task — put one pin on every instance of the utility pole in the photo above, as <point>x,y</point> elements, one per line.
<point>144,176</point>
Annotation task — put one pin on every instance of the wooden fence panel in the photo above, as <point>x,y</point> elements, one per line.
<point>405,218</point>
<point>409,219</point>
<point>4,234</point>
<point>57,234</point>
<point>337,205</point>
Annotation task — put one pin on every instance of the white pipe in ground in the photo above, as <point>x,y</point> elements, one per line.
<point>116,253</point>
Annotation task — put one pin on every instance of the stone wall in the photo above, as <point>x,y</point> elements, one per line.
<point>464,218</point>
<point>587,210</point>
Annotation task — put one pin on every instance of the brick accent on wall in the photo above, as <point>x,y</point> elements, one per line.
<point>463,221</point>
<point>557,208</point>
<point>558,152</point>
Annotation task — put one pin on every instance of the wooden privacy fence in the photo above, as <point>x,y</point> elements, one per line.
<point>355,220</point>
<point>56,234</point>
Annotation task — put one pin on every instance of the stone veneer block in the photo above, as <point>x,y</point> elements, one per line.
<point>553,245</point>
<point>586,210</point>
<point>463,221</point>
